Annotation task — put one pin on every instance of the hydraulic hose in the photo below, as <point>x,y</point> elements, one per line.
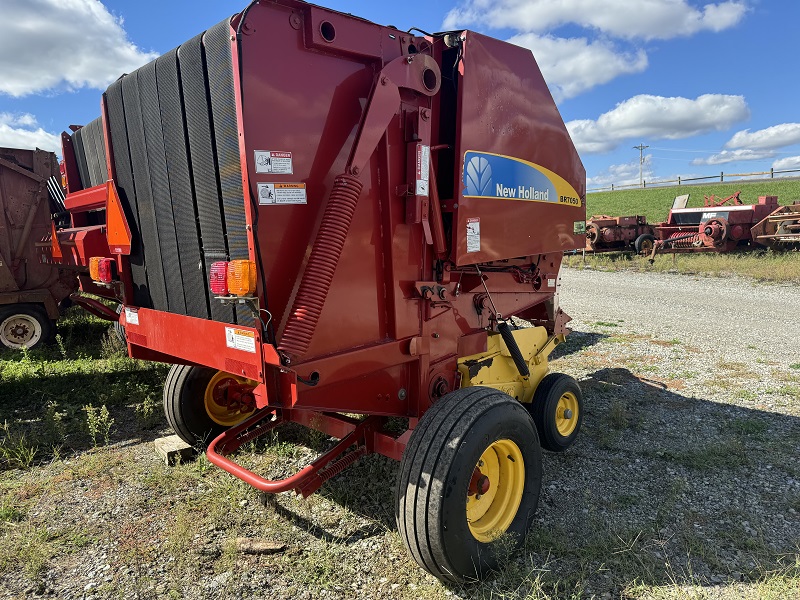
<point>513,348</point>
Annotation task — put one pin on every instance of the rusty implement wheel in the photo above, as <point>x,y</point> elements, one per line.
<point>468,484</point>
<point>714,232</point>
<point>24,326</point>
<point>592,235</point>
<point>557,410</point>
<point>644,244</point>
<point>201,403</point>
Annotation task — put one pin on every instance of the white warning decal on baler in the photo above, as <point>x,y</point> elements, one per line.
<point>281,193</point>
<point>240,339</point>
<point>270,161</point>
<point>423,169</point>
<point>131,316</point>
<point>473,234</point>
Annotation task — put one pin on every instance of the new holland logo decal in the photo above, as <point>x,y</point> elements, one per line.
<point>495,176</point>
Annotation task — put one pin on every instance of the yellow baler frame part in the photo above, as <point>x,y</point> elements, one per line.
<point>496,369</point>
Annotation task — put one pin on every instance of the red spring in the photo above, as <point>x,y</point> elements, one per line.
<point>318,275</point>
<point>686,242</point>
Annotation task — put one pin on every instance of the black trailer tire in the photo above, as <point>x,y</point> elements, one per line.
<point>451,534</point>
<point>24,326</point>
<point>186,405</point>
<point>644,243</point>
<point>119,330</point>
<point>555,395</point>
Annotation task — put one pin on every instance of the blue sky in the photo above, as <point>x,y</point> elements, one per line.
<point>709,87</point>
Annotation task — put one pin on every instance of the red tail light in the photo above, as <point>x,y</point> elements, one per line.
<point>106,270</point>
<point>101,269</point>
<point>218,278</point>
<point>63,169</point>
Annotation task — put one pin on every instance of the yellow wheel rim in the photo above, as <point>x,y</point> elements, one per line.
<point>227,416</point>
<point>490,514</point>
<point>567,414</point>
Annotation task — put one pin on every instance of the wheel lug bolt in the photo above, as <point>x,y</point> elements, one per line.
<point>567,413</point>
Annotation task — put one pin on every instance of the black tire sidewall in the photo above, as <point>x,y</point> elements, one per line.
<point>31,310</point>
<point>507,421</point>
<point>555,385</point>
<point>637,244</point>
<point>184,405</point>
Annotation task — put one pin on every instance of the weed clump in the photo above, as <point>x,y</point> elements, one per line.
<point>98,423</point>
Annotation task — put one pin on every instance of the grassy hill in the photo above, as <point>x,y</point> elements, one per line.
<point>654,203</point>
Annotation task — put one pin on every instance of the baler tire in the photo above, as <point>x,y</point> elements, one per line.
<point>184,406</point>
<point>644,243</point>
<point>432,498</point>
<point>556,393</point>
<point>119,330</point>
<point>35,316</point>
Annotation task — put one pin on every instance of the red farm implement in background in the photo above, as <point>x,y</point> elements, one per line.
<point>606,234</point>
<point>30,291</point>
<point>716,227</point>
<point>310,214</point>
<point>780,230</point>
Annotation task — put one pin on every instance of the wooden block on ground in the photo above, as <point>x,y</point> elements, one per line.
<point>174,450</point>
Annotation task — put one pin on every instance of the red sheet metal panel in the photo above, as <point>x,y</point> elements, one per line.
<point>521,185</point>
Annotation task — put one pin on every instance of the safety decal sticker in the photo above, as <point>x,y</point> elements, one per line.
<point>281,193</point>
<point>277,163</point>
<point>579,227</point>
<point>473,234</point>
<point>489,175</point>
<point>131,316</point>
<point>423,169</point>
<point>240,339</point>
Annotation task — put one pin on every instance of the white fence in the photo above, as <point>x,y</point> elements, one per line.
<point>685,180</point>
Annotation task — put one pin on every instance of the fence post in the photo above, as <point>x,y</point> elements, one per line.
<point>679,179</point>
<point>644,183</point>
<point>721,176</point>
<point>772,173</point>
<point>612,187</point>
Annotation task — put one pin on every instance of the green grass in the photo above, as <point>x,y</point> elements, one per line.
<point>654,203</point>
<point>764,266</point>
<point>725,454</point>
<point>69,395</point>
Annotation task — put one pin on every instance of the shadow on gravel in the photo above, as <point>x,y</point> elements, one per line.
<point>362,533</point>
<point>577,341</point>
<point>667,490</point>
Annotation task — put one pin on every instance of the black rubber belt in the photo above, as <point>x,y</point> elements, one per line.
<point>180,185</point>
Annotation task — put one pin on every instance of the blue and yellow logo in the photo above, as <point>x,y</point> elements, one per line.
<point>496,176</point>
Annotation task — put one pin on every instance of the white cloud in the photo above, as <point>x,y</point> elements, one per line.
<point>787,163</point>
<point>729,156</point>
<point>62,44</point>
<point>623,174</point>
<point>777,136</point>
<point>21,131</point>
<point>573,66</point>
<point>657,117</point>
<point>644,19</point>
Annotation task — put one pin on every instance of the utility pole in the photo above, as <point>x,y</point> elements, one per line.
<point>641,148</point>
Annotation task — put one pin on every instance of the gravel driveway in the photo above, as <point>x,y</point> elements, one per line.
<point>719,315</point>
